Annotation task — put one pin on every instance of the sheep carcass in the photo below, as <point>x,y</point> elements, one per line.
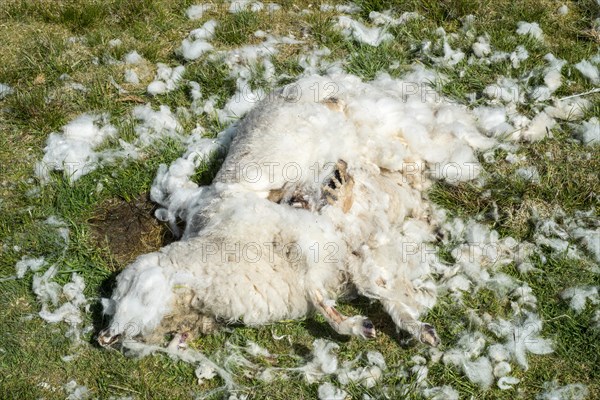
<point>318,194</point>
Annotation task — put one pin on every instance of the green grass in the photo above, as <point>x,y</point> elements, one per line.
<point>37,47</point>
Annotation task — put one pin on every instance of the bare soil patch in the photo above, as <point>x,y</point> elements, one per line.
<point>127,229</point>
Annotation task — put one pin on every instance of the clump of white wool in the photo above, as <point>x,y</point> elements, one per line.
<point>72,150</point>
<point>386,18</point>
<point>197,10</point>
<point>133,58</point>
<point>589,70</point>
<point>589,132</point>
<point>76,391</point>
<point>166,80</point>
<point>579,296</point>
<point>441,393</point>
<point>196,43</point>
<point>5,90</point>
<point>328,391</point>
<point>563,10</point>
<point>553,391</point>
<point>481,48</point>
<point>530,28</point>
<point>28,264</point>
<point>361,33</point>
<point>342,8</point>
<point>523,337</point>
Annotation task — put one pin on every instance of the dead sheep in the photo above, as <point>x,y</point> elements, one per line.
<point>321,194</point>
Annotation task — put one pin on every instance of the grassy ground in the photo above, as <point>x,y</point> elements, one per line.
<point>37,47</point>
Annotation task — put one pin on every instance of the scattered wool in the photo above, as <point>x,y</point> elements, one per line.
<point>506,90</point>
<point>478,369</point>
<point>272,7</point>
<point>115,42</point>
<point>552,391</point>
<point>313,62</point>
<point>507,382</point>
<point>204,372</point>
<point>72,151</point>
<point>173,187</point>
<point>155,125</point>
<point>5,90</point>
<point>539,127</point>
<point>523,298</point>
<point>458,283</point>
<point>69,358</point>
<point>364,376</point>
<point>501,284</point>
<point>481,48</point>
<point>512,158</point>
<point>138,349</point>
<point>530,174</point>
<point>596,320</point>
<point>589,70</point>
<point>450,57</point>
<point>328,391</point>
<point>324,361</point>
<point>131,77</point>
<point>166,79</point>
<point>419,360</point>
<point>376,358</point>
<point>76,86</point>
<point>590,239</point>
<point>196,11</point>
<point>558,245</point>
<point>255,350</point>
<point>522,337</point>
<point>342,8</point>
<point>237,6</point>
<point>568,109</point>
<point>502,369</point>
<point>499,56</point>
<point>589,132</point>
<point>520,54</point>
<point>70,311</point>
<point>420,372</point>
<point>371,36</point>
<point>385,18</point>
<point>435,355</point>
<point>531,29</point>
<point>479,372</point>
<point>492,120</point>
<point>552,78</point>
<point>441,393</point>
<point>563,10</point>
<point>61,227</point>
<point>196,43</point>
<point>133,58</point>
<point>579,297</point>
<point>28,264</point>
<point>76,392</point>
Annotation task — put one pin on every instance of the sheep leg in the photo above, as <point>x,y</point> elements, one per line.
<point>356,326</point>
<point>401,307</point>
<point>405,318</point>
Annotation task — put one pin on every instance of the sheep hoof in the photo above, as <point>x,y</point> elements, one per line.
<point>106,339</point>
<point>368,330</point>
<point>429,336</point>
